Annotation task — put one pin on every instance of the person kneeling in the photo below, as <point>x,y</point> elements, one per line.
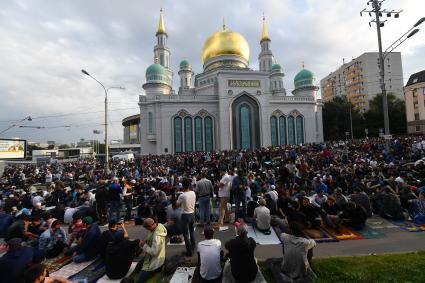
<point>262,218</point>
<point>119,255</point>
<point>295,266</point>
<point>154,248</point>
<point>53,240</point>
<point>209,256</point>
<point>242,265</point>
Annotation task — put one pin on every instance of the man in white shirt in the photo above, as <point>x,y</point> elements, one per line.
<point>187,202</point>
<point>262,217</point>
<point>209,255</point>
<point>224,194</point>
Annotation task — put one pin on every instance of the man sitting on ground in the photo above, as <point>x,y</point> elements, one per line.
<point>88,247</point>
<point>15,260</point>
<point>262,218</point>
<point>154,248</point>
<point>361,198</point>
<point>174,214</point>
<point>209,256</point>
<point>354,216</point>
<point>38,274</point>
<point>53,240</point>
<point>110,234</point>
<point>242,266</point>
<point>295,266</point>
<point>119,254</point>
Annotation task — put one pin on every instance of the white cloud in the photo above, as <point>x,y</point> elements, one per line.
<point>45,44</point>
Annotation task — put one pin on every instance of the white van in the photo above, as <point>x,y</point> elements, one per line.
<point>123,156</point>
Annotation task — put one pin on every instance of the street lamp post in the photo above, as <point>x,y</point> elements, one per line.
<point>377,10</point>
<point>106,116</point>
<point>16,124</point>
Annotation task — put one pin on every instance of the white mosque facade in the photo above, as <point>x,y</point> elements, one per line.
<point>229,105</point>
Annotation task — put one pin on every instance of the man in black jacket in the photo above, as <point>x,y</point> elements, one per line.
<point>241,249</point>
<point>119,255</point>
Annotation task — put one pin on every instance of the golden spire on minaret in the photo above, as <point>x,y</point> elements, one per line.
<point>265,33</point>
<point>161,26</point>
<point>224,25</point>
<point>302,64</point>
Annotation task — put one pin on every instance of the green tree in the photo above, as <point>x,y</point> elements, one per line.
<point>336,119</point>
<point>63,146</point>
<point>374,117</point>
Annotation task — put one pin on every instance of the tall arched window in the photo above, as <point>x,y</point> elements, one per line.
<point>178,136</point>
<point>198,134</point>
<point>245,121</point>
<point>188,144</point>
<point>291,130</point>
<point>273,130</point>
<point>282,130</point>
<point>300,129</point>
<point>208,124</point>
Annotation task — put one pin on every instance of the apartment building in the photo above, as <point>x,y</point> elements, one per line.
<point>359,80</point>
<point>414,92</point>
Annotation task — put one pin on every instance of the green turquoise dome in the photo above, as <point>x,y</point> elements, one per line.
<point>184,64</point>
<point>304,78</point>
<point>156,73</point>
<point>155,69</point>
<point>276,67</point>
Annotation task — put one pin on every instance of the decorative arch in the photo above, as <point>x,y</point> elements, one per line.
<point>245,122</point>
<point>299,122</point>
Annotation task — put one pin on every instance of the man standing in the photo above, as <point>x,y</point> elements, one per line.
<point>239,185</point>
<point>224,194</point>
<point>187,201</point>
<point>114,200</point>
<point>154,248</point>
<point>205,191</point>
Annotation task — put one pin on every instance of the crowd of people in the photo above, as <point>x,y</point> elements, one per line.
<point>50,209</point>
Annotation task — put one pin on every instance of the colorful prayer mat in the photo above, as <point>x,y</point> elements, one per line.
<point>54,264</point>
<point>370,233</point>
<point>319,235</point>
<point>344,233</point>
<point>71,269</point>
<point>407,225</point>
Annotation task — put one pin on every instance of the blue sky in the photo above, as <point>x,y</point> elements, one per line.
<point>45,44</point>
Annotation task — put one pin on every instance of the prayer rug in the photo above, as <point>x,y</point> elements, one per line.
<point>319,235</point>
<point>370,233</point>
<point>262,239</point>
<point>345,233</point>
<point>183,275</point>
<point>71,269</point>
<point>54,264</point>
<point>379,223</point>
<point>92,272</point>
<point>407,225</point>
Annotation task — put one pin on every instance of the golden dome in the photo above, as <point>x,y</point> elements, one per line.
<point>225,42</point>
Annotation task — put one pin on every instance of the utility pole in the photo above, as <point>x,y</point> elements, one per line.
<point>379,12</point>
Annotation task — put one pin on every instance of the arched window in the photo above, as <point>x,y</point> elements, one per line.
<point>273,130</point>
<point>150,122</point>
<point>188,144</point>
<point>291,130</point>
<point>282,130</point>
<point>208,125</point>
<point>198,134</point>
<point>178,136</point>
<point>300,129</point>
<point>245,122</point>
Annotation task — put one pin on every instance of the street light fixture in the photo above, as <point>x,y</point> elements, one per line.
<point>28,118</point>
<point>106,116</point>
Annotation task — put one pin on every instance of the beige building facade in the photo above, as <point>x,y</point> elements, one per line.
<point>414,93</point>
<point>359,81</point>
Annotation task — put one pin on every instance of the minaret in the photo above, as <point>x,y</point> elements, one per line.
<point>161,49</point>
<point>265,58</point>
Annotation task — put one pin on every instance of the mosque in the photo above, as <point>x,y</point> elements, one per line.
<point>228,105</point>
